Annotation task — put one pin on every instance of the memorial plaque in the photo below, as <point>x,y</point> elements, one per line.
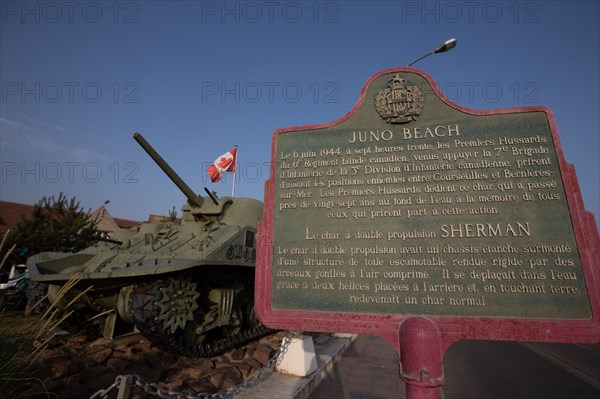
<point>413,206</point>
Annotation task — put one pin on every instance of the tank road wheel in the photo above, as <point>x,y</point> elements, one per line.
<point>178,303</point>
<point>167,312</point>
<point>177,314</point>
<point>198,313</point>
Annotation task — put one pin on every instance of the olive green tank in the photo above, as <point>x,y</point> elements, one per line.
<point>188,287</point>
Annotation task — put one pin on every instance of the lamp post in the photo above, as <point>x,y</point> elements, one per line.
<point>447,45</point>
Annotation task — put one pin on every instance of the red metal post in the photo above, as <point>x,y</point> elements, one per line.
<point>421,359</point>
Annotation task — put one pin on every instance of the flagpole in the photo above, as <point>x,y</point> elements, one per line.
<point>234,172</point>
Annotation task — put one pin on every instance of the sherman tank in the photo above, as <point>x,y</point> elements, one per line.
<point>188,287</point>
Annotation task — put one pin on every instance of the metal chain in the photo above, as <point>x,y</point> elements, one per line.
<point>158,389</point>
<point>104,392</point>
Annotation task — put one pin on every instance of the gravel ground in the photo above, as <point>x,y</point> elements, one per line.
<point>78,367</point>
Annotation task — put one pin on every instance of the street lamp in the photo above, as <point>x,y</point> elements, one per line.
<point>447,45</point>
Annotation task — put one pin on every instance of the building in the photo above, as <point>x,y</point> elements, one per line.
<point>12,212</point>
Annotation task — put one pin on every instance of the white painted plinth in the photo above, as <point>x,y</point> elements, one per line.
<point>342,335</point>
<point>300,358</point>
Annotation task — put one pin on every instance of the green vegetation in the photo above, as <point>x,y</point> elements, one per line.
<point>23,339</point>
<point>56,224</point>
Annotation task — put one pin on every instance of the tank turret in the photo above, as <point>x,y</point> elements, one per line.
<point>188,287</point>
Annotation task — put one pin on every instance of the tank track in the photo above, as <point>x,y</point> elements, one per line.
<point>145,312</point>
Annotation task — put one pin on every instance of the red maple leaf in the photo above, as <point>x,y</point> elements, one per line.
<point>224,162</point>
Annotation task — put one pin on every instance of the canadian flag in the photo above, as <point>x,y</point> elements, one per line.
<point>225,163</point>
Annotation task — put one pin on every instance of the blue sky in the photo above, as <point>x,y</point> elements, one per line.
<point>196,78</point>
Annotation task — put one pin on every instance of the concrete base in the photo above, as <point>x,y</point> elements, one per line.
<point>343,335</point>
<point>300,358</point>
<point>282,386</point>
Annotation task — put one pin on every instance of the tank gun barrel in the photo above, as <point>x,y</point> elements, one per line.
<point>193,198</point>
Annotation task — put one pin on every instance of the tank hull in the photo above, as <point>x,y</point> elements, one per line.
<point>188,287</point>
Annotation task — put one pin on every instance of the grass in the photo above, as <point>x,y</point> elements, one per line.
<point>16,342</point>
<point>24,338</point>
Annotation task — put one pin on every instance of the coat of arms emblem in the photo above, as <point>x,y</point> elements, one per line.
<point>399,103</point>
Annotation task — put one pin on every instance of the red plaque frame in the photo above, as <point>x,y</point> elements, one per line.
<point>444,330</point>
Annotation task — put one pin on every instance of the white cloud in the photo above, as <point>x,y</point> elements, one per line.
<point>83,155</point>
<point>11,127</point>
<point>19,135</point>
